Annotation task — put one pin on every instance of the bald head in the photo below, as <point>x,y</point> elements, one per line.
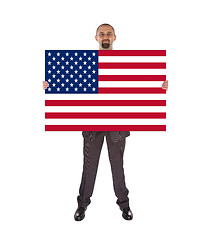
<point>105,36</point>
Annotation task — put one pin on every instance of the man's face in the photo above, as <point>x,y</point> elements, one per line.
<point>105,36</point>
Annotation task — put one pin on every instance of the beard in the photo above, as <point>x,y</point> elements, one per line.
<point>105,44</point>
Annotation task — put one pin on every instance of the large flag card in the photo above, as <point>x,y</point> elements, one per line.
<point>105,90</point>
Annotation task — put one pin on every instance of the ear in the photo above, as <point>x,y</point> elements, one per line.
<point>114,37</point>
<point>96,38</point>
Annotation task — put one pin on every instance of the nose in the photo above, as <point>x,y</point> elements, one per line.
<point>105,36</point>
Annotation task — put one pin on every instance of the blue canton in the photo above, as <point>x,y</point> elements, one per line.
<point>71,71</point>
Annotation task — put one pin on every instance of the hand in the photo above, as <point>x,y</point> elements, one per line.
<point>165,85</point>
<point>45,85</point>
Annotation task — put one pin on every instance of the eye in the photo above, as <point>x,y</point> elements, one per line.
<point>101,34</point>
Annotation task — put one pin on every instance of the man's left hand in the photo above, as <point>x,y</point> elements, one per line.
<point>165,85</point>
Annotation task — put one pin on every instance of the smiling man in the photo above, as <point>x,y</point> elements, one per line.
<point>93,142</point>
<point>105,35</point>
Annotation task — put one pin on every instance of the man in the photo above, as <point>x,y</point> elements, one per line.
<point>93,142</point>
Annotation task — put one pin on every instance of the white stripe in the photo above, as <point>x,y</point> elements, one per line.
<point>105,96</point>
<point>105,121</point>
<point>104,109</point>
<point>130,84</point>
<point>131,71</point>
<point>131,59</point>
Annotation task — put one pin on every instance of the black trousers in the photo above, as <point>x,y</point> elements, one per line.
<point>92,150</point>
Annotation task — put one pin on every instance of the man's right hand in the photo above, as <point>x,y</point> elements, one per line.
<point>45,85</point>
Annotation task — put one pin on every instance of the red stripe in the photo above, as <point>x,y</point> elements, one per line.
<point>105,102</point>
<point>105,127</point>
<point>130,65</point>
<point>131,90</point>
<point>132,53</point>
<point>121,115</point>
<point>131,77</point>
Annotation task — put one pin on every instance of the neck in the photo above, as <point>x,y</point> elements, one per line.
<point>111,48</point>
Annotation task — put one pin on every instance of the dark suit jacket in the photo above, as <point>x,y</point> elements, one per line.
<point>115,136</point>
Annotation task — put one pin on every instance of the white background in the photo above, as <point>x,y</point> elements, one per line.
<point>168,174</point>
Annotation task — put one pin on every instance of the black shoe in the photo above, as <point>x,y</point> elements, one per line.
<point>127,213</point>
<point>80,213</point>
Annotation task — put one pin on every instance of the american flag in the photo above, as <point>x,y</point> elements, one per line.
<point>105,90</point>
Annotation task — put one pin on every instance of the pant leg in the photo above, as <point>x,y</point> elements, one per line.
<point>116,151</point>
<point>91,151</point>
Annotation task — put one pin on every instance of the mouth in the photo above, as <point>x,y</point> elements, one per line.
<point>105,43</point>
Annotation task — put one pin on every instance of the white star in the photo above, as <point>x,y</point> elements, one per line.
<point>62,67</point>
<point>84,80</point>
<point>89,84</point>
<point>58,89</point>
<point>85,71</point>
<point>58,54</point>
<point>93,71</point>
<point>76,71</point>
<point>49,71</point>
<point>76,63</point>
<point>54,84</point>
<point>93,80</point>
<point>62,75</point>
<point>49,63</point>
<point>93,54</point>
<point>58,80</point>
<point>84,63</point>
<point>67,63</point>
<point>58,63</point>
<point>76,54</point>
<point>67,71</point>
<point>49,89</point>
<point>93,63</point>
<point>49,80</point>
<point>62,84</point>
<point>49,54</point>
<point>93,89</point>
<point>71,67</point>
<point>53,67</point>
<point>71,84</point>
<point>84,89</point>
<point>80,67</point>
<point>80,76</point>
<point>76,80</point>
<point>89,67</point>
<point>89,58</point>
<point>80,84</point>
<point>54,58</point>
<point>67,54</point>
<point>71,58</point>
<point>71,76</point>
<point>53,75</point>
<point>67,80</point>
<point>89,76</point>
<point>58,71</point>
<point>85,54</point>
<point>80,58</point>
<point>67,89</point>
<point>62,58</point>
<point>76,89</point>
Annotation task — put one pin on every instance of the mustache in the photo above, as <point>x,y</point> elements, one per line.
<point>106,40</point>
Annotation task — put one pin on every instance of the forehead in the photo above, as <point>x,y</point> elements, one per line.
<point>105,29</point>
